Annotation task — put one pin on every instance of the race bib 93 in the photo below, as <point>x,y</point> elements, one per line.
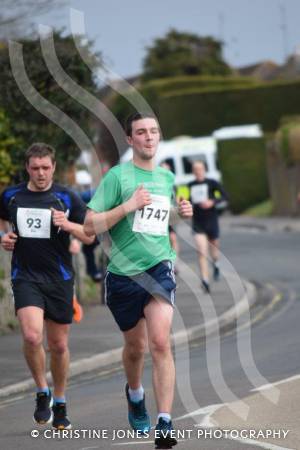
<point>34,222</point>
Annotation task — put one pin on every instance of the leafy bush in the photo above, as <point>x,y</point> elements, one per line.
<point>243,166</point>
<point>201,111</point>
<point>198,105</point>
<point>288,138</point>
<point>7,143</point>
<point>26,121</point>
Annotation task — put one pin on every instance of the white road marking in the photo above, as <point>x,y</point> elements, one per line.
<point>208,411</point>
<point>208,422</point>
<point>271,385</point>
<point>145,442</point>
<point>88,448</point>
<point>265,445</point>
<point>9,401</point>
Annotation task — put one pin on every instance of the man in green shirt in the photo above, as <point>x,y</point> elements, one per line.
<point>134,202</point>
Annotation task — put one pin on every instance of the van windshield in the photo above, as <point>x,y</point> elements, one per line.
<point>168,164</point>
<point>188,160</point>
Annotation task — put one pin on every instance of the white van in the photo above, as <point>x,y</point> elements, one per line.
<point>239,131</point>
<point>179,153</point>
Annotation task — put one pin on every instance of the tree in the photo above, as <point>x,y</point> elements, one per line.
<point>7,143</point>
<point>184,54</point>
<point>16,15</point>
<point>30,125</point>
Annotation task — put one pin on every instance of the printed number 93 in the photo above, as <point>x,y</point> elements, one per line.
<point>35,223</point>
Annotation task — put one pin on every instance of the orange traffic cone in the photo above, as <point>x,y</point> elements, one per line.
<point>77,310</point>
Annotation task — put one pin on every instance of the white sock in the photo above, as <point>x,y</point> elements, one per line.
<point>136,395</point>
<point>216,263</point>
<point>165,416</point>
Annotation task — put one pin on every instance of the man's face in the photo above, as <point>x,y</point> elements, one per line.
<point>144,138</point>
<point>199,170</point>
<point>40,172</point>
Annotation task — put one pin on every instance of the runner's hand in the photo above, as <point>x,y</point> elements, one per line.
<point>185,209</point>
<point>75,247</point>
<point>59,219</point>
<point>207,204</point>
<point>8,241</point>
<point>140,198</point>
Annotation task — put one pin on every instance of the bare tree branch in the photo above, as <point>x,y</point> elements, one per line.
<point>16,15</point>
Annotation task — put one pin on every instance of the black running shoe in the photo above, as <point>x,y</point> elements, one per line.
<point>216,273</point>
<point>205,286</point>
<point>138,416</point>
<point>164,434</point>
<point>43,413</point>
<point>60,420</point>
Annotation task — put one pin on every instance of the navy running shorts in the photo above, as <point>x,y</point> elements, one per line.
<point>127,297</point>
<point>56,299</point>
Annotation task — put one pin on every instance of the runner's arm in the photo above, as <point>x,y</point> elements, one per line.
<point>74,229</point>
<point>4,226</point>
<point>220,196</point>
<point>77,232</point>
<point>7,238</point>
<point>174,216</point>
<point>99,222</point>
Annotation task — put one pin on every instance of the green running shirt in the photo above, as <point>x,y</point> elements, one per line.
<point>141,239</point>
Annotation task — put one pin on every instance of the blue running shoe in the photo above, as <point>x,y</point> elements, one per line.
<point>43,413</point>
<point>164,438</point>
<point>61,420</point>
<point>137,414</point>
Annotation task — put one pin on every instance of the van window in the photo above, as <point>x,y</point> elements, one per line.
<point>170,163</point>
<point>188,161</point>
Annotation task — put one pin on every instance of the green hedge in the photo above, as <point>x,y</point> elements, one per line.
<point>153,90</point>
<point>200,112</point>
<point>243,166</point>
<point>172,85</point>
<point>197,106</point>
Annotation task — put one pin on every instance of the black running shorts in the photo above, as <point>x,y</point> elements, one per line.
<point>210,227</point>
<point>56,298</point>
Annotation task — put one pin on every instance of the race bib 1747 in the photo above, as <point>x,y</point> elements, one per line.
<point>34,222</point>
<point>153,218</point>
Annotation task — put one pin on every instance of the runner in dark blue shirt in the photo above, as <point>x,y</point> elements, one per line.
<point>42,216</point>
<point>41,253</point>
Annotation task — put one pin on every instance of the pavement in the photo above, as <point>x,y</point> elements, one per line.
<point>270,224</point>
<point>96,341</point>
<point>262,413</point>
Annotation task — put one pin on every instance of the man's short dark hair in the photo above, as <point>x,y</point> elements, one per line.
<point>39,150</point>
<point>137,116</point>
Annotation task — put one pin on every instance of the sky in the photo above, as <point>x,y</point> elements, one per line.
<point>251,29</point>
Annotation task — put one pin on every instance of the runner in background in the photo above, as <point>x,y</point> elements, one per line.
<point>206,196</point>
<point>89,251</point>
